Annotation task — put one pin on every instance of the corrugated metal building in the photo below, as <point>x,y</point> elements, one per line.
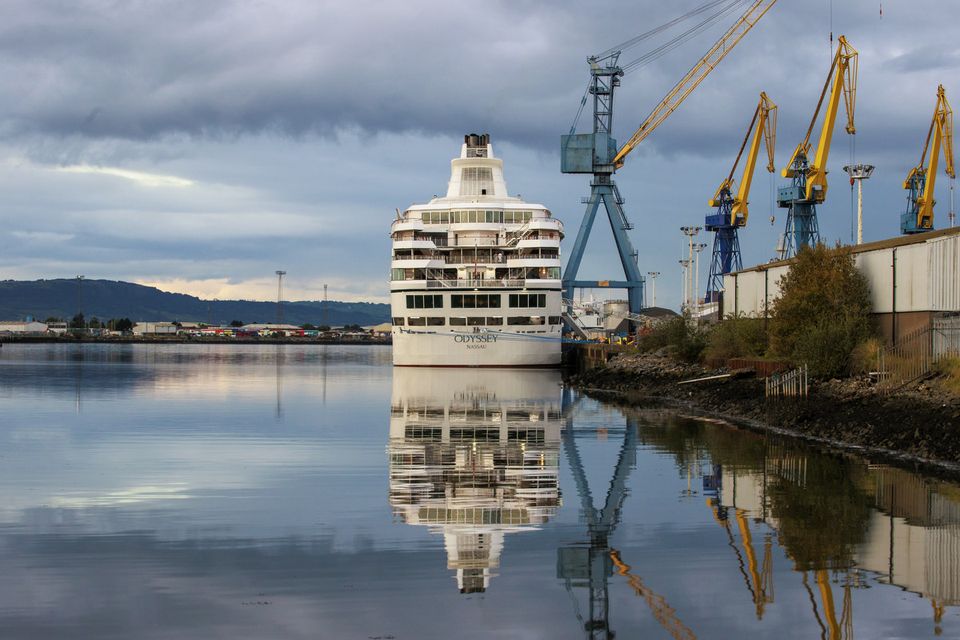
<point>912,280</point>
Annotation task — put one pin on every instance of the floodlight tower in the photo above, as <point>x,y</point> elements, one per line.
<point>653,282</point>
<point>858,173</point>
<point>698,248</point>
<point>280,275</point>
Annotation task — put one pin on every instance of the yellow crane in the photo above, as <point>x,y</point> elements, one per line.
<point>695,76</point>
<point>921,180</point>
<point>809,171</point>
<point>732,210</point>
<point>597,153</point>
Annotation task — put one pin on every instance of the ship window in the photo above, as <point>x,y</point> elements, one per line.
<point>458,322</point>
<point>475,301</point>
<point>396,274</point>
<point>528,300</point>
<point>525,320</point>
<point>417,322</point>
<point>425,301</point>
<point>554,320</point>
<point>398,322</point>
<point>475,321</point>
<point>475,181</point>
<point>435,321</point>
<point>494,321</point>
<point>444,217</point>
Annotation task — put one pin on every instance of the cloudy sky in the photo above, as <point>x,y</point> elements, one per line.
<point>200,146</point>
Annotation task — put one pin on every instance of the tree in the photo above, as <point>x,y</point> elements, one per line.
<point>120,324</point>
<point>236,323</point>
<point>77,322</point>
<point>307,327</point>
<point>94,322</point>
<point>52,319</point>
<point>823,311</point>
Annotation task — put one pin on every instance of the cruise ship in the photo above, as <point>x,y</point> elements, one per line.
<point>475,275</point>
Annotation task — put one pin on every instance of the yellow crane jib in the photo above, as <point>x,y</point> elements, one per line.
<point>921,180</point>
<point>763,126</point>
<point>841,80</point>
<point>695,76</point>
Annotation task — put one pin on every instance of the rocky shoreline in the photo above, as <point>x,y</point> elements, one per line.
<point>919,424</point>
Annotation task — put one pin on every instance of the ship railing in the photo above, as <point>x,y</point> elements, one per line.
<point>474,283</point>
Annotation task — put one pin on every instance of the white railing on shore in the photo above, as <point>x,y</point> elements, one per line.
<point>791,384</point>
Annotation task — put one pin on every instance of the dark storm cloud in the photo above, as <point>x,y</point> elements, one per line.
<point>142,70</point>
<point>300,126</point>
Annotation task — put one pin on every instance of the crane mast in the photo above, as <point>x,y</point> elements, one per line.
<point>731,210</point>
<point>809,174</point>
<point>596,153</point>
<point>921,180</point>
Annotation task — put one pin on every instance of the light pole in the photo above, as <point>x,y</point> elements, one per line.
<point>280,275</point>
<point>653,282</point>
<point>685,264</point>
<point>80,302</point>
<point>690,232</point>
<point>859,173</point>
<point>699,247</point>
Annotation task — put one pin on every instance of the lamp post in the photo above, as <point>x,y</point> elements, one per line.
<point>859,173</point>
<point>280,275</point>
<point>653,282</point>
<point>699,247</point>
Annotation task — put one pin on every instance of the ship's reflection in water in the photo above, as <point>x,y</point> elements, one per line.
<point>474,456</point>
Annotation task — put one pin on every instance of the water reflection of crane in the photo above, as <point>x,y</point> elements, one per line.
<point>759,581</point>
<point>590,565</point>
<point>830,627</point>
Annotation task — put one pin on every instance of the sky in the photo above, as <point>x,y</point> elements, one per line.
<point>200,147</point>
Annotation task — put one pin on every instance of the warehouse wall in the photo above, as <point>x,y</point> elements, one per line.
<point>910,278</point>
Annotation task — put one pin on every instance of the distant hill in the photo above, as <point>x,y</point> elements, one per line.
<point>107,299</point>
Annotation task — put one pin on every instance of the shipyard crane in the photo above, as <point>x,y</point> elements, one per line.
<point>807,170</point>
<point>597,152</point>
<point>921,180</point>
<point>731,210</point>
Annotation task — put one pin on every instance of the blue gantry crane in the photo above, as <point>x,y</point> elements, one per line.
<point>597,153</point>
<point>809,171</point>
<point>731,210</point>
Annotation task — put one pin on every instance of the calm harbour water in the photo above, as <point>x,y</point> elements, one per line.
<point>185,491</point>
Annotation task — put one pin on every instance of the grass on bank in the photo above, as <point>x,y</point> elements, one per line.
<point>949,370</point>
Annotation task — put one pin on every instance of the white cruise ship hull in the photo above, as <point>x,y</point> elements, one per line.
<point>493,349</point>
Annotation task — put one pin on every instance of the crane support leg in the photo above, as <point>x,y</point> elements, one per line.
<point>802,229</point>
<point>726,259</point>
<point>604,191</point>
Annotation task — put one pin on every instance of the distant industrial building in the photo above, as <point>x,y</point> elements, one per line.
<point>913,279</point>
<point>22,327</point>
<point>155,328</point>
